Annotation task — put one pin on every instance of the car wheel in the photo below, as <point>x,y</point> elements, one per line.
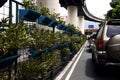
<point>113,47</point>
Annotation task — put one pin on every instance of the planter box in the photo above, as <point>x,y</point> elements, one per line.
<point>6,62</point>
<point>61,27</point>
<point>53,23</point>
<point>65,28</point>
<point>29,15</point>
<point>44,20</point>
<point>33,53</point>
<point>70,30</point>
<point>59,46</point>
<point>47,50</point>
<point>2,2</point>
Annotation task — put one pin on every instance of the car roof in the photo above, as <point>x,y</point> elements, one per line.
<point>113,22</point>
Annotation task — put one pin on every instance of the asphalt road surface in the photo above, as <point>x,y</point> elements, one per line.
<point>82,69</point>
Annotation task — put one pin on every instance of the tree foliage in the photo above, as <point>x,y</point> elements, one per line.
<point>114,13</point>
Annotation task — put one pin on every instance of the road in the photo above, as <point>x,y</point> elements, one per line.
<point>82,69</point>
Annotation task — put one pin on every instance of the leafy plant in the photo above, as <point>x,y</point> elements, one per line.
<point>29,70</point>
<point>29,4</point>
<point>3,22</point>
<point>13,38</point>
<point>65,51</point>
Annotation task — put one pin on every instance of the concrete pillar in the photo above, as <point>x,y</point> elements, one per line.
<point>53,5</point>
<point>81,23</point>
<point>73,18</point>
<point>72,15</point>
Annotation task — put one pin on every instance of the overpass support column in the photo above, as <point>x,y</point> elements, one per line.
<point>74,19</point>
<point>72,15</point>
<point>53,5</point>
<point>81,23</point>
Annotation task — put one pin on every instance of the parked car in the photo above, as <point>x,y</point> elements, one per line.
<point>106,49</point>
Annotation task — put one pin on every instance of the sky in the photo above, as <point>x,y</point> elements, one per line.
<point>98,7</point>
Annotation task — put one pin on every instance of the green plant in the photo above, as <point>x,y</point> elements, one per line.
<point>13,38</point>
<point>4,20</point>
<point>42,38</point>
<point>35,68</point>
<point>65,51</point>
<point>29,70</point>
<point>29,4</point>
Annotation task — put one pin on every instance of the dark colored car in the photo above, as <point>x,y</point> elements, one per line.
<point>106,49</point>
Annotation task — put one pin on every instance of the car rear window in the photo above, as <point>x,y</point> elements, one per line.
<point>113,30</point>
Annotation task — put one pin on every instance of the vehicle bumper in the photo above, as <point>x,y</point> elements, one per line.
<point>104,59</point>
<point>112,64</point>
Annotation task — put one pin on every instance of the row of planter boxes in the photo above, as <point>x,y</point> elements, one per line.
<point>34,53</point>
<point>33,16</point>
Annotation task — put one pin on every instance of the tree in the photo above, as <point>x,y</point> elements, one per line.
<point>114,13</point>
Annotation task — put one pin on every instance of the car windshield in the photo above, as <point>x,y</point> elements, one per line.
<point>113,30</point>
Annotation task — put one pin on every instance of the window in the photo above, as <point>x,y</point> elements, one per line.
<point>113,30</point>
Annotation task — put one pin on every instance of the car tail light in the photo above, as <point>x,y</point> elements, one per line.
<point>100,43</point>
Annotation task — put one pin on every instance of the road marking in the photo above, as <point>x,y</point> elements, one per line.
<point>73,67</point>
<point>69,64</point>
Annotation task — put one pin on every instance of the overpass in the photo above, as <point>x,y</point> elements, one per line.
<point>81,7</point>
<point>77,11</point>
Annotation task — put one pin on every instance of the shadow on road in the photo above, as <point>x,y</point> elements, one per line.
<point>106,73</point>
<point>88,50</point>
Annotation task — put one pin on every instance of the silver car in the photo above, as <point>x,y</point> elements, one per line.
<point>106,49</point>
